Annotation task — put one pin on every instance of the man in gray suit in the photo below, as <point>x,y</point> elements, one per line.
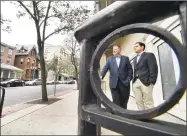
<point>121,74</point>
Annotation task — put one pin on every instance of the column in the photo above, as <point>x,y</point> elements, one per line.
<point>1,74</point>
<point>15,75</point>
<point>9,74</point>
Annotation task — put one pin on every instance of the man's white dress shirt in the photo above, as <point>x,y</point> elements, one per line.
<point>118,59</point>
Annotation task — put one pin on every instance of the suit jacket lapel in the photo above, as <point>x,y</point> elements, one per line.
<point>140,58</point>
<point>121,61</point>
<point>135,62</point>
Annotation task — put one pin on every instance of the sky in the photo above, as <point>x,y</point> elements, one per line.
<point>23,30</point>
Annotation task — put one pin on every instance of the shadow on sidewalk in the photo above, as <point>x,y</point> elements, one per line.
<point>50,101</point>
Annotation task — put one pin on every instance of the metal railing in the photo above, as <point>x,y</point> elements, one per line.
<point>2,99</point>
<point>120,19</point>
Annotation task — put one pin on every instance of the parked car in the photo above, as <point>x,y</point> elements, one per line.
<point>71,82</point>
<point>50,82</point>
<point>12,83</point>
<point>34,82</point>
<point>62,82</point>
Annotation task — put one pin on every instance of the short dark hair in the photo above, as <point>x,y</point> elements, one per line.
<point>117,46</point>
<point>141,44</point>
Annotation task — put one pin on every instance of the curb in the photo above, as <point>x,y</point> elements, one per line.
<point>24,112</point>
<point>15,108</point>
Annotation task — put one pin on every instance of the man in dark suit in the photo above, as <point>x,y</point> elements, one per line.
<point>121,74</point>
<point>145,76</point>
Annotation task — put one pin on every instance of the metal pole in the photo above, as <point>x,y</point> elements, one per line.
<point>33,73</point>
<point>2,100</point>
<point>56,74</point>
<point>55,85</point>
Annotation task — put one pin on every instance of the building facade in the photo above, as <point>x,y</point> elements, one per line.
<point>27,59</point>
<point>8,70</point>
<point>51,51</point>
<point>7,54</point>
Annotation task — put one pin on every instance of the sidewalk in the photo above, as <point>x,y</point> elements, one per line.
<point>58,118</point>
<point>165,117</point>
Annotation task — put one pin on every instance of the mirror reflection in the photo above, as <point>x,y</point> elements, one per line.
<point>139,71</point>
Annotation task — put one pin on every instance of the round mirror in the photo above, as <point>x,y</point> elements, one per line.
<point>139,67</point>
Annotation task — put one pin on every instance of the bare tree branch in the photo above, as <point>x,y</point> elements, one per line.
<point>28,11</point>
<point>38,2</point>
<point>45,21</point>
<point>38,13</point>
<point>56,31</point>
<point>77,50</point>
<point>37,25</point>
<point>34,10</point>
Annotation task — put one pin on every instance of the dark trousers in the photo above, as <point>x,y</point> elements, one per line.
<point>120,94</point>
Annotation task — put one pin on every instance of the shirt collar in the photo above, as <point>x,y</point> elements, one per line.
<point>139,54</point>
<point>118,57</point>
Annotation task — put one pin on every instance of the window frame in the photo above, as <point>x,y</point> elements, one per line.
<point>8,59</point>
<point>9,49</point>
<point>2,49</point>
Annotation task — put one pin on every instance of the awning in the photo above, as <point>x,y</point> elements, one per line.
<point>10,67</point>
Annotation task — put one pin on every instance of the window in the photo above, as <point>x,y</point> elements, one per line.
<point>9,60</point>
<point>12,74</point>
<point>21,60</point>
<point>33,62</point>
<point>1,59</point>
<point>2,48</point>
<point>33,53</point>
<point>10,51</point>
<point>46,50</point>
<point>62,51</point>
<point>22,51</point>
<point>167,67</point>
<point>28,61</point>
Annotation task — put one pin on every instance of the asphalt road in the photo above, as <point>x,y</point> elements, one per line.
<point>18,95</point>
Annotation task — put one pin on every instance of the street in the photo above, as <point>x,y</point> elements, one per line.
<point>18,95</point>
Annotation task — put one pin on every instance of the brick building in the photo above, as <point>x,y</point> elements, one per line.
<point>8,70</point>
<point>28,60</point>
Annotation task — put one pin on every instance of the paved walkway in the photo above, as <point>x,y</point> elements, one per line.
<point>57,118</point>
<point>132,106</point>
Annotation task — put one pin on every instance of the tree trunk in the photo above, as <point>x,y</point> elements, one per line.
<point>43,76</point>
<point>76,76</point>
<point>55,84</point>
